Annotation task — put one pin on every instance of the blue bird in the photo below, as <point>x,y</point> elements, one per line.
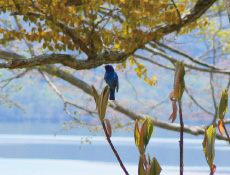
<point>111,79</point>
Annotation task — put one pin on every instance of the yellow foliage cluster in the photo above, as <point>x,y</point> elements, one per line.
<point>141,70</point>
<point>123,25</point>
<point>86,17</point>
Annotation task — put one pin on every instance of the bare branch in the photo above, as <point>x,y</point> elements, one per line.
<point>65,59</point>
<point>7,81</point>
<point>213,98</point>
<point>226,121</point>
<point>193,99</point>
<point>196,12</point>
<point>158,104</point>
<point>6,55</point>
<point>171,59</point>
<point>208,52</point>
<point>177,10</point>
<point>64,99</point>
<point>132,86</point>
<point>185,55</point>
<point>29,45</point>
<point>154,62</point>
<point>76,3</point>
<point>107,11</point>
<point>227,5</point>
<point>194,130</point>
<point>212,82</point>
<point>228,85</point>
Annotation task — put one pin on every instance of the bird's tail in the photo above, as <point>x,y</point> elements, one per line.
<point>112,95</point>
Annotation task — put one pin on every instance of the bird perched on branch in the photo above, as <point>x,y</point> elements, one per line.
<point>111,79</point>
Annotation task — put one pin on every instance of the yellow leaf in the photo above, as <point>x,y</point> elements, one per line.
<point>154,77</point>
<point>137,134</point>
<point>220,126</point>
<point>132,62</point>
<point>116,45</point>
<point>118,67</point>
<point>146,80</point>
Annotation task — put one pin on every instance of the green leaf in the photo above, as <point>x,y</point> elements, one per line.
<point>95,95</point>
<point>148,132</point>
<point>156,168</point>
<point>137,134</point>
<point>182,72</point>
<point>144,128</point>
<point>149,160</point>
<point>223,104</point>
<point>205,143</point>
<point>142,138</point>
<point>99,106</point>
<point>176,71</point>
<point>179,83</point>
<point>104,102</point>
<point>211,143</point>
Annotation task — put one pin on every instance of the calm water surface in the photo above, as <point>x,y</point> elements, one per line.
<point>37,142</point>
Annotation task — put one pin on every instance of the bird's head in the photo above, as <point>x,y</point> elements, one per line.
<point>109,68</point>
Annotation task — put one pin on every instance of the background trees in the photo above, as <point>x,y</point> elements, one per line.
<point>55,38</point>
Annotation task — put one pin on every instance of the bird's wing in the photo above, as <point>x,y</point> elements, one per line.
<point>112,83</point>
<point>110,80</point>
<point>117,81</point>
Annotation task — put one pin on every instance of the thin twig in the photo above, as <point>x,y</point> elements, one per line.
<point>202,58</point>
<point>29,45</point>
<point>64,99</point>
<point>154,62</point>
<point>156,105</point>
<point>114,150</point>
<point>135,91</point>
<point>211,83</point>
<point>12,78</point>
<point>173,60</point>
<point>228,85</point>
<point>186,56</point>
<point>178,12</point>
<point>181,139</point>
<point>226,131</point>
<point>193,99</point>
<point>226,121</point>
<point>213,98</point>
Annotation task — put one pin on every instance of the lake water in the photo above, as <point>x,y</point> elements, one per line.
<point>26,149</point>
